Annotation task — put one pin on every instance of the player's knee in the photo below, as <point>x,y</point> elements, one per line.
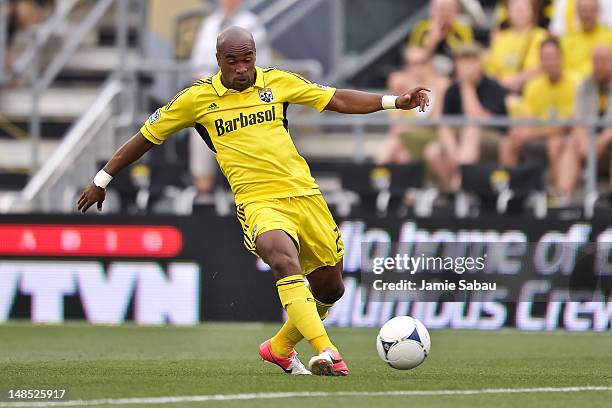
<point>337,292</point>
<point>332,293</point>
<point>284,264</point>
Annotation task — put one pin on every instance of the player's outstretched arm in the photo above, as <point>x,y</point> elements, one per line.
<point>127,154</point>
<point>351,101</point>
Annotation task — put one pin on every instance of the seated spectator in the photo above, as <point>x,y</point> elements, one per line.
<point>514,57</point>
<point>550,96</point>
<point>564,19</point>
<point>22,19</point>
<point>473,95</point>
<point>405,143</point>
<point>442,32</point>
<point>578,45</point>
<point>595,96</point>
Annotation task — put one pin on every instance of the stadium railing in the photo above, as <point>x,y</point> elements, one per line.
<point>102,129</point>
<point>53,186</point>
<point>359,123</point>
<point>36,198</point>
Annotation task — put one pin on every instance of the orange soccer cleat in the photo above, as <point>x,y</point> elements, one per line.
<point>290,364</point>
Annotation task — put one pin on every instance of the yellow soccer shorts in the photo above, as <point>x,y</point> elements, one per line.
<point>306,219</point>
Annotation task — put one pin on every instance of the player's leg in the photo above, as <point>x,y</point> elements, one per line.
<point>271,216</point>
<point>284,341</point>
<point>278,250</point>
<point>321,252</point>
<point>327,287</point>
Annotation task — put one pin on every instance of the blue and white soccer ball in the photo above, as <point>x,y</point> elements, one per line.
<point>403,342</point>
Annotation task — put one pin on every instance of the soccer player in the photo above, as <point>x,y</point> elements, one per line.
<point>241,113</point>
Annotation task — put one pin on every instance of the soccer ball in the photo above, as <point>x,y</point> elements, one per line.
<point>403,342</point>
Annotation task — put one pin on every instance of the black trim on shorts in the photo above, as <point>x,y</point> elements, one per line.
<point>285,120</point>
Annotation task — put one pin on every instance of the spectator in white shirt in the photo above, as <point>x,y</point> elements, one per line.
<point>565,17</point>
<point>203,58</point>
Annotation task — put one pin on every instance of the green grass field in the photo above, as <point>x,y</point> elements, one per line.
<point>145,362</point>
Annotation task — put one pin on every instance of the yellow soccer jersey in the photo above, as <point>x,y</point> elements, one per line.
<point>513,52</point>
<point>248,131</point>
<point>545,100</point>
<point>578,48</point>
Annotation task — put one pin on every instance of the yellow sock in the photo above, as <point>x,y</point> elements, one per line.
<point>301,308</point>
<point>288,336</point>
<point>321,343</point>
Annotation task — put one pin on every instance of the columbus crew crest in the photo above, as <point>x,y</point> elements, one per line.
<point>265,94</point>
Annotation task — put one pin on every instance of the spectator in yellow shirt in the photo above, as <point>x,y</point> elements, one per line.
<point>442,32</point>
<point>514,56</point>
<point>550,96</point>
<point>578,45</point>
<point>595,96</point>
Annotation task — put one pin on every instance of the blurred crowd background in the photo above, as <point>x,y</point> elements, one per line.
<point>520,120</point>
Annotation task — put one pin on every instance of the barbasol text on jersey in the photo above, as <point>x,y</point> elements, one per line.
<point>243,120</point>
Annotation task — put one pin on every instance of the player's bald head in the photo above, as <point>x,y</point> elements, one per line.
<point>235,40</point>
<point>236,58</point>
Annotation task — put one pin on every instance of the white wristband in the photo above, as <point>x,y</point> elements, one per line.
<point>102,179</point>
<point>388,102</point>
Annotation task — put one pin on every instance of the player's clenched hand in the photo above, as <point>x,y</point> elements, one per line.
<point>91,195</point>
<point>416,97</point>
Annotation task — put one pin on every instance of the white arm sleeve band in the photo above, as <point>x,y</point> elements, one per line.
<point>102,179</point>
<point>388,102</point>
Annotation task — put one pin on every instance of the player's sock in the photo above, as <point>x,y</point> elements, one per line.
<point>285,340</point>
<point>323,309</point>
<point>321,343</point>
<point>301,308</point>
<point>288,336</point>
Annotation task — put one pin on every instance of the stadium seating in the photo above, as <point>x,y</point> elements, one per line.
<point>378,187</point>
<point>501,189</point>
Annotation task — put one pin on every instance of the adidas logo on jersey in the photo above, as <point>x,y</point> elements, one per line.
<point>243,120</point>
<point>213,106</point>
